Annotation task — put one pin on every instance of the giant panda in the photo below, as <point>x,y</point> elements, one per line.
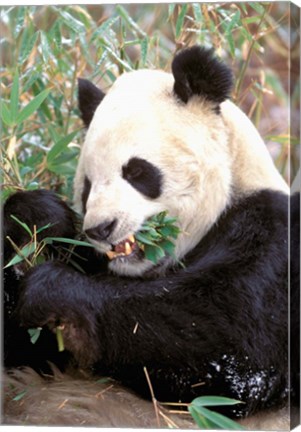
<point>211,320</point>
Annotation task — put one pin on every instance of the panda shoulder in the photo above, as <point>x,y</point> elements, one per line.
<point>254,167</point>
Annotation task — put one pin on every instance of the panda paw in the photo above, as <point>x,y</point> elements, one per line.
<point>52,295</point>
<point>39,208</point>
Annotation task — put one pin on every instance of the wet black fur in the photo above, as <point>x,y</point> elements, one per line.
<point>221,320</point>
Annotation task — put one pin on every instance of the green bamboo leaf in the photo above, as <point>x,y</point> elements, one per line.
<point>50,240</point>
<point>104,28</point>
<point>14,98</point>
<point>34,334</point>
<point>24,253</point>
<point>219,420</point>
<point>32,106</point>
<point>201,421</point>
<point>71,22</point>
<point>28,43</point>
<point>111,76</point>
<point>20,396</point>
<point>46,50</point>
<point>250,20</point>
<point>56,34</point>
<point>233,22</point>
<point>129,20</point>
<point>5,114</point>
<point>43,228</point>
<point>35,74</point>
<point>197,11</point>
<point>67,169</point>
<point>168,247</point>
<point>144,48</point>
<point>214,401</point>
<point>257,7</point>
<point>60,146</point>
<point>231,43</point>
<point>154,254</point>
<point>171,9</point>
<point>23,224</point>
<point>180,20</point>
<point>20,21</point>
<point>143,238</point>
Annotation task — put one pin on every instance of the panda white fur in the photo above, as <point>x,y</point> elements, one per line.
<point>172,142</point>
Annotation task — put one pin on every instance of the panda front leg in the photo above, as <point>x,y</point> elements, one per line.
<point>125,325</point>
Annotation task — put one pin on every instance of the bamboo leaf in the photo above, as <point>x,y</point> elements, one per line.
<point>5,114</point>
<point>197,11</point>
<point>214,401</point>
<point>60,146</point>
<point>46,50</point>
<point>28,43</point>
<point>24,253</point>
<point>129,20</point>
<point>233,22</point>
<point>50,240</point>
<point>23,224</point>
<point>257,7</point>
<point>20,396</point>
<point>71,22</point>
<point>220,421</point>
<point>32,106</point>
<point>143,238</point>
<point>201,421</point>
<point>34,334</point>
<point>144,48</point>
<point>154,254</point>
<point>14,98</point>
<point>171,9</point>
<point>180,20</point>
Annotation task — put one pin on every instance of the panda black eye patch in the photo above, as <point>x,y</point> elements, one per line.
<point>85,193</point>
<point>143,176</point>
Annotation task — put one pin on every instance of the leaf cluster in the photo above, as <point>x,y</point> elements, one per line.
<point>156,237</point>
<point>207,419</point>
<point>35,252</point>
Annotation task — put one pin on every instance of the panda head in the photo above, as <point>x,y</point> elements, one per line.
<point>155,142</point>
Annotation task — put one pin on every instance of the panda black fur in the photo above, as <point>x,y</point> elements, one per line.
<point>216,326</point>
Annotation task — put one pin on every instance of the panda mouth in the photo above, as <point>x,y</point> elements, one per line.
<point>127,248</point>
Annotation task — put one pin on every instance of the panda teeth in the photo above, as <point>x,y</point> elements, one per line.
<point>111,254</point>
<point>124,248</point>
<point>127,248</point>
<point>131,238</point>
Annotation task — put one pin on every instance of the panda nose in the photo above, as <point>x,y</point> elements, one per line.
<point>101,231</point>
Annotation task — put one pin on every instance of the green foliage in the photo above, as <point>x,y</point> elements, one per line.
<point>207,419</point>
<point>46,48</point>
<point>155,237</point>
<point>35,252</point>
<point>34,334</point>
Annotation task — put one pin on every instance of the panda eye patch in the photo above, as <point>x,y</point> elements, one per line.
<point>143,176</point>
<point>85,193</point>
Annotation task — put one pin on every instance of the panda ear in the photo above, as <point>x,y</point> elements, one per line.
<point>89,97</point>
<point>198,72</point>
